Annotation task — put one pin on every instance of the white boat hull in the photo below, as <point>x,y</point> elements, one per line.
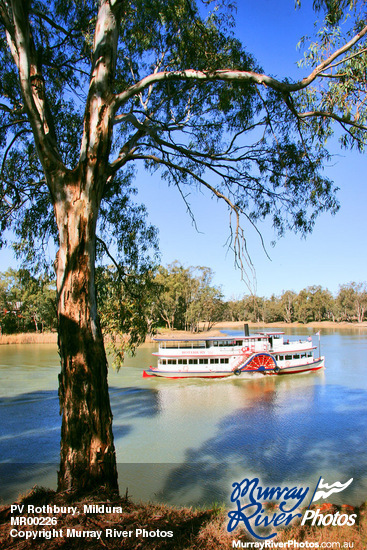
<point>190,374</point>
<point>243,374</point>
<point>317,364</point>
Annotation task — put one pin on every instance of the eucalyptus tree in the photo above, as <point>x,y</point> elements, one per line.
<point>173,281</point>
<point>90,89</point>
<point>287,302</point>
<point>202,301</point>
<point>352,301</point>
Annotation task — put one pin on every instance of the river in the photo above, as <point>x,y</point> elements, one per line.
<point>185,442</point>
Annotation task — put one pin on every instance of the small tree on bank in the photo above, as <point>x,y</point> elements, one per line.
<point>89,90</point>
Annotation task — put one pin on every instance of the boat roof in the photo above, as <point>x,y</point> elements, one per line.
<point>258,335</point>
<point>270,333</point>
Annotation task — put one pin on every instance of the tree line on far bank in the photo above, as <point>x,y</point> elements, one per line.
<point>175,297</point>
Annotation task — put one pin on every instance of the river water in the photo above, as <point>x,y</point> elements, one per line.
<point>185,442</point>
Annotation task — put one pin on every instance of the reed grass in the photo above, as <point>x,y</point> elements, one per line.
<point>29,338</point>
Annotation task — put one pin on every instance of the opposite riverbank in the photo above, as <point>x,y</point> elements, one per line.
<point>51,337</point>
<point>217,329</point>
<point>318,325</point>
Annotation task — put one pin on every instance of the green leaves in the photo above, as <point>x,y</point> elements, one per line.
<point>339,92</point>
<point>125,308</point>
<point>27,303</point>
<point>186,297</point>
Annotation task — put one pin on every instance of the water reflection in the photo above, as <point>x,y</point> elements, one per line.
<point>27,434</point>
<point>293,444</point>
<point>134,402</point>
<point>29,441</point>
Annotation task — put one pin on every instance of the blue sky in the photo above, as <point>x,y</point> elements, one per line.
<point>334,254</point>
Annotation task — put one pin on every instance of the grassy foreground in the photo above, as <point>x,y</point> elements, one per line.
<point>193,529</point>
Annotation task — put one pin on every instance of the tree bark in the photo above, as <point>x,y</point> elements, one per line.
<point>87,455</point>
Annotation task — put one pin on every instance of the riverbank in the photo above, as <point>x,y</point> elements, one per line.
<point>156,526</point>
<point>51,337</point>
<point>254,327</point>
<point>314,325</point>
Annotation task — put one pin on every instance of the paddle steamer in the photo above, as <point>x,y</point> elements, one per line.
<point>264,353</point>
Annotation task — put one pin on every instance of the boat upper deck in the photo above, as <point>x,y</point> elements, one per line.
<point>210,341</point>
<point>271,341</point>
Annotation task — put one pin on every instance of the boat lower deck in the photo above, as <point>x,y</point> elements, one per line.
<point>243,373</point>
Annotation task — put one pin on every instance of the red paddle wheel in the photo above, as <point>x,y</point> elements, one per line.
<point>261,362</point>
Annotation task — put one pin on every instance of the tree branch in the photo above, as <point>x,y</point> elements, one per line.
<point>237,238</point>
<point>32,85</point>
<point>17,135</point>
<point>233,75</point>
<point>98,117</point>
<point>325,114</point>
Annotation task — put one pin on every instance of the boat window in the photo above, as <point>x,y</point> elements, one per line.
<point>182,361</point>
<point>224,360</point>
<point>281,357</point>
<point>288,357</point>
<point>303,355</point>
<point>214,361</point>
<point>295,356</point>
<point>222,343</point>
<point>198,345</point>
<point>171,361</point>
<point>193,361</point>
<point>163,361</point>
<point>183,344</point>
<point>203,361</point>
<point>309,354</point>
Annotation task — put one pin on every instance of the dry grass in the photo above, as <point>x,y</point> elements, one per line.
<point>29,338</point>
<point>192,529</point>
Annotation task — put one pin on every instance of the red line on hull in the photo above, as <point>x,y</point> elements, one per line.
<point>147,375</point>
<point>300,371</point>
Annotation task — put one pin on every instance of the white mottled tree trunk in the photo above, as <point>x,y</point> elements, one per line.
<point>87,457</point>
